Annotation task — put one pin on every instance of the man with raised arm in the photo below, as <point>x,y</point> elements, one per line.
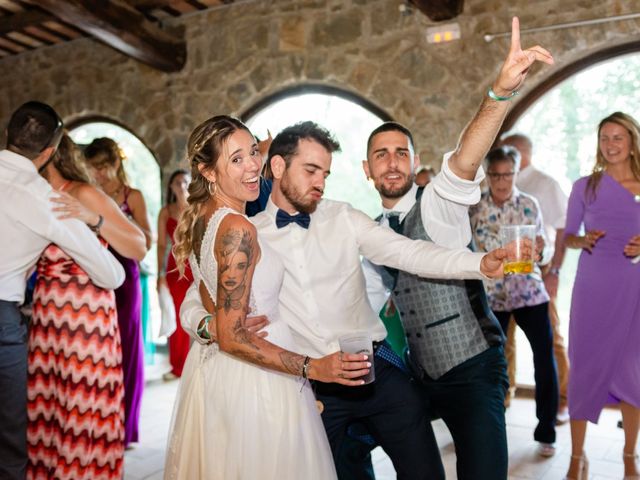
<point>455,341</point>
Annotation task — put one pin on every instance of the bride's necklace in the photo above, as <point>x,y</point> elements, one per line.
<point>221,203</point>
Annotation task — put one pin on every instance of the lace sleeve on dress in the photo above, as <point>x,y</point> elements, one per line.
<point>208,267</point>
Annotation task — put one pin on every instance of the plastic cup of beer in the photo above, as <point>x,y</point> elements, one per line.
<point>520,242</point>
<point>359,343</point>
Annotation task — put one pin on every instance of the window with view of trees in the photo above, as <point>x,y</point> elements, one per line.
<point>563,123</point>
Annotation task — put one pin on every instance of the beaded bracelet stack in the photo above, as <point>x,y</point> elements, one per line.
<point>305,367</point>
<point>203,330</point>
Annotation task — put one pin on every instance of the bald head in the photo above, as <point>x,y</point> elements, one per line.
<point>523,144</point>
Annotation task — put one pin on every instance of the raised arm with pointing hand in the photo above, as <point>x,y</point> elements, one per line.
<point>478,136</point>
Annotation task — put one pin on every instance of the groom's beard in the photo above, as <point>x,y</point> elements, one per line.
<point>296,198</point>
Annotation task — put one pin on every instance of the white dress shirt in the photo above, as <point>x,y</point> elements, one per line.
<point>28,225</point>
<point>551,198</point>
<point>444,208</point>
<point>323,293</point>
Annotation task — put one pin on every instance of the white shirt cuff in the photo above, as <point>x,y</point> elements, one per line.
<point>451,187</point>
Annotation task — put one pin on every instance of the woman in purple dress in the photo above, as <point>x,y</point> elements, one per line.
<point>605,307</point>
<point>105,160</point>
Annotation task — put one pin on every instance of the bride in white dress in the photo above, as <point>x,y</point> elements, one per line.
<point>243,410</point>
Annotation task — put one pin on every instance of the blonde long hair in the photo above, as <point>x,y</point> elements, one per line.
<point>205,146</point>
<point>631,126</point>
<point>105,151</point>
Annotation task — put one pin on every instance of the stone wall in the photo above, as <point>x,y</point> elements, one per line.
<point>239,54</point>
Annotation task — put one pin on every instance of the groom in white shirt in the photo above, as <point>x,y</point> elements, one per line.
<point>28,225</point>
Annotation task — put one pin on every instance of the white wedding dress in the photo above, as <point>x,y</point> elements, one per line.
<point>234,420</point>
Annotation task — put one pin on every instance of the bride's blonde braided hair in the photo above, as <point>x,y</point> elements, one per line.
<point>204,147</point>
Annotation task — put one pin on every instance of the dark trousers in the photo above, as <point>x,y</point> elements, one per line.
<point>392,410</point>
<point>13,392</point>
<point>470,400</point>
<point>536,325</point>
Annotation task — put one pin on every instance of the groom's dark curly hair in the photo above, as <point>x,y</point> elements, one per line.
<point>286,142</point>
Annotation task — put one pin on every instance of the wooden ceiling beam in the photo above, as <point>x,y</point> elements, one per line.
<point>18,21</point>
<point>439,10</point>
<point>44,34</point>
<point>119,25</point>
<point>26,40</point>
<point>11,46</point>
<point>215,3</point>
<point>150,4</point>
<point>60,28</point>
<point>11,6</point>
<point>185,7</point>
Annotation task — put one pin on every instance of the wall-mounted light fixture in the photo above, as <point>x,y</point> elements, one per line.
<point>443,33</point>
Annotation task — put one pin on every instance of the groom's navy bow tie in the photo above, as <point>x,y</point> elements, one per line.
<point>283,219</point>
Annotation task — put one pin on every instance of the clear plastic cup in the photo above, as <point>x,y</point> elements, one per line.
<point>360,343</point>
<point>520,242</point>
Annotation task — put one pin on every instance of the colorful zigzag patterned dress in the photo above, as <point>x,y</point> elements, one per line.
<point>75,387</point>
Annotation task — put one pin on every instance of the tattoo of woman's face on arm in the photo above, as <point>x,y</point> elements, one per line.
<point>237,257</point>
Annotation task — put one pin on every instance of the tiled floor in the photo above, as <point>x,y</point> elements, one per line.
<point>604,441</point>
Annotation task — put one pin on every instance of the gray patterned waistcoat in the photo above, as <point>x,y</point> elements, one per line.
<point>446,321</point>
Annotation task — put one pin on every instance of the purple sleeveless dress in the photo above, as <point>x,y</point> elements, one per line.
<point>128,304</point>
<point>605,306</point>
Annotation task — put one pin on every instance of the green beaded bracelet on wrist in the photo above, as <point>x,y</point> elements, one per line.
<point>203,331</point>
<point>498,98</point>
